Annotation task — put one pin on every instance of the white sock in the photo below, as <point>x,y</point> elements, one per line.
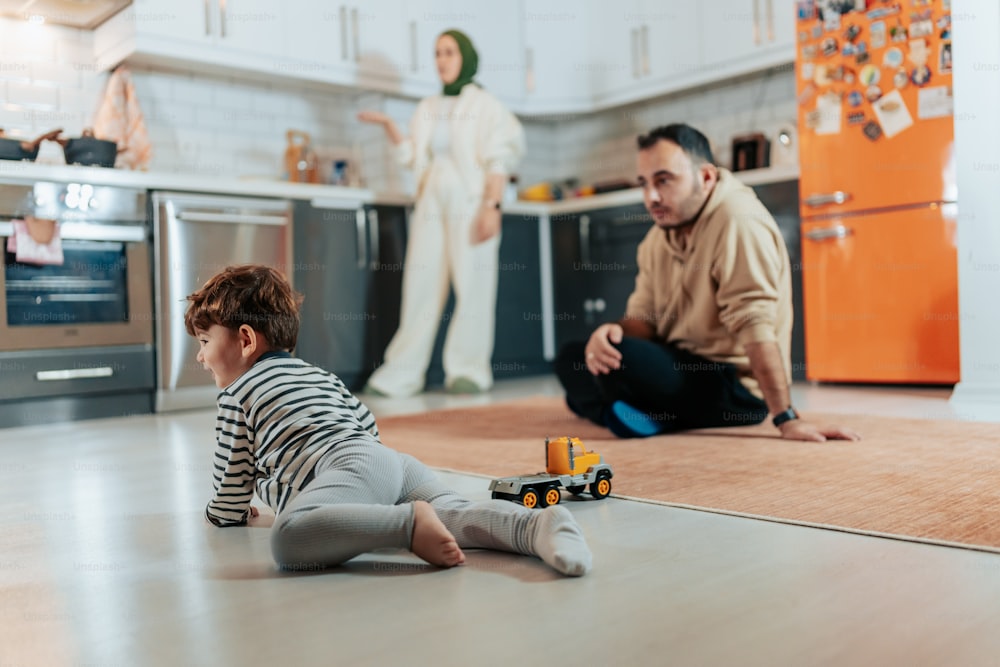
<point>559,542</point>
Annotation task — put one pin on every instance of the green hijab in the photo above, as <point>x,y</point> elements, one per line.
<point>470,62</point>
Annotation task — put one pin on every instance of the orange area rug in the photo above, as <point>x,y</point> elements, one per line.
<point>922,480</point>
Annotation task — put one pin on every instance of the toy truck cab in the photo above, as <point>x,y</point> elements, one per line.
<point>568,456</point>
<point>567,464</point>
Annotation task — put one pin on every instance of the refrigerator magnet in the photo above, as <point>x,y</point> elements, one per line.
<point>878,33</point>
<point>873,93</point>
<point>854,99</point>
<point>869,75</point>
<point>892,114</point>
<point>935,102</point>
<point>829,47</point>
<point>900,79</point>
<point>921,29</point>
<point>945,58</point>
<point>821,77</point>
<point>807,71</point>
<point>856,118</point>
<point>919,53</point>
<point>872,130</point>
<point>920,75</point>
<point>852,32</point>
<point>893,57</point>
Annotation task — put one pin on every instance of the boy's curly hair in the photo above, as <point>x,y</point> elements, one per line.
<point>249,294</point>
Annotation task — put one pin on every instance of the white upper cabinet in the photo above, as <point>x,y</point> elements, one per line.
<point>538,56</point>
<point>647,48</point>
<point>201,31</point>
<point>741,36</point>
<point>558,62</point>
<point>495,30</point>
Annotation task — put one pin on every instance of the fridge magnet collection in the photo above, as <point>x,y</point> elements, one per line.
<point>857,57</point>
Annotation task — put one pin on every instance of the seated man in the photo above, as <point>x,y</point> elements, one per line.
<point>707,330</point>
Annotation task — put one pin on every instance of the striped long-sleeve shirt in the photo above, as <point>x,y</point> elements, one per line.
<point>275,423</point>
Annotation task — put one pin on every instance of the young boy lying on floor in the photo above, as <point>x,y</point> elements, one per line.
<point>295,434</point>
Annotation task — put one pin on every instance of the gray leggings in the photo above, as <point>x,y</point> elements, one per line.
<point>361,500</point>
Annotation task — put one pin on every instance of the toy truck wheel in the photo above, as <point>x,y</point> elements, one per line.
<point>530,498</point>
<point>552,496</point>
<point>576,489</point>
<point>601,487</point>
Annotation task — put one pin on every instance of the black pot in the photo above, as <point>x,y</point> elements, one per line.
<point>15,149</point>
<point>89,150</point>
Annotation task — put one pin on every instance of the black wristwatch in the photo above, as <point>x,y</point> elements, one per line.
<point>786,416</point>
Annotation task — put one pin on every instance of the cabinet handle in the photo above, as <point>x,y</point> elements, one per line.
<point>770,20</point>
<point>222,18</point>
<point>585,240</point>
<point>373,234</point>
<point>208,19</point>
<point>644,48</point>
<point>529,70</point>
<point>828,233</point>
<point>635,52</point>
<point>75,374</point>
<point>359,224</point>
<point>414,66</point>
<point>827,198</point>
<point>343,32</point>
<point>355,34</point>
<point>756,22</point>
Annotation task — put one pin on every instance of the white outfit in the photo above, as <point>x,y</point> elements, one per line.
<point>482,138</point>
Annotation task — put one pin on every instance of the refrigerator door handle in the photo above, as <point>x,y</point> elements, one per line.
<point>828,198</point>
<point>828,233</point>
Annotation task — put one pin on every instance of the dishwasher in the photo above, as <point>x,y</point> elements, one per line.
<point>196,236</point>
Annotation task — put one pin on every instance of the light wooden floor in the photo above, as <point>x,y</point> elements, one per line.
<point>105,560</point>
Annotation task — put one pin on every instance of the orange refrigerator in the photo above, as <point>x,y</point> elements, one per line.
<point>878,199</point>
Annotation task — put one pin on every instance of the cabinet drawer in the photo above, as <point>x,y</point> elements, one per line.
<point>73,372</point>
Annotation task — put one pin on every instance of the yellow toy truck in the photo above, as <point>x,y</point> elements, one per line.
<point>568,464</point>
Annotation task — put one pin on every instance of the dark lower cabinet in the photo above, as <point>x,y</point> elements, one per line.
<point>517,346</point>
<point>349,267</point>
<point>594,267</point>
<point>782,200</point>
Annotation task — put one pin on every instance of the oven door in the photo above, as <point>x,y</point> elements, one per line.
<point>100,295</point>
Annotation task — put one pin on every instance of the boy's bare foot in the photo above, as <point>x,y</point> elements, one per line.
<point>431,540</point>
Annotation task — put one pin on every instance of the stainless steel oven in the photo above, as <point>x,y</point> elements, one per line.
<point>76,338</point>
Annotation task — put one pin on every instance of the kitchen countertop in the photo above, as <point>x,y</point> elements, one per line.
<point>326,195</point>
<point>323,196</point>
<point>628,197</point>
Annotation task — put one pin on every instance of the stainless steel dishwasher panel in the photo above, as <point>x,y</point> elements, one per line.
<point>195,237</point>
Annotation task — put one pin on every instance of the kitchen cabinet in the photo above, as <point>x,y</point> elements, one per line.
<point>740,36</point>
<point>781,199</point>
<point>647,48</point>
<point>348,265</point>
<point>495,29</point>
<point>594,267</point>
<point>557,64</point>
<point>212,32</point>
<point>518,348</point>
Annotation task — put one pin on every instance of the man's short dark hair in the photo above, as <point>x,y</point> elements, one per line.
<point>691,141</point>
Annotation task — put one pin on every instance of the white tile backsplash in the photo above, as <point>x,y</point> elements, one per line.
<point>210,124</point>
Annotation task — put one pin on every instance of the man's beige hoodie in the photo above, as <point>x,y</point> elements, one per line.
<point>728,285</point>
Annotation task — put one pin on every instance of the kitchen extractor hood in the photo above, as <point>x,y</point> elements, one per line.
<point>87,14</point>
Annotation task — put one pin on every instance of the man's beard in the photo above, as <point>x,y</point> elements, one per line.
<point>686,222</point>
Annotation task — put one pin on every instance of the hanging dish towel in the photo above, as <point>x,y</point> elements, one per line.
<point>36,241</point>
<point>119,119</point>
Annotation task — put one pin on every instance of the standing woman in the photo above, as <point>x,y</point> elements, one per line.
<point>462,146</point>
